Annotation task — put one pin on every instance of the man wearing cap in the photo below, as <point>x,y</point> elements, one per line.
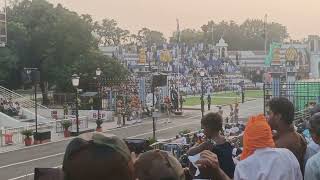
<point>97,156</point>
<point>312,170</point>
<point>158,165</point>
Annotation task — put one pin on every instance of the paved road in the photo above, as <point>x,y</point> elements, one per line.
<point>20,164</point>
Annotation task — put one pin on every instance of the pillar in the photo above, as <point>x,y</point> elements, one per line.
<point>275,86</point>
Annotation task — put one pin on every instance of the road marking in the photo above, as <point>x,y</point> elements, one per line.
<point>183,124</point>
<point>59,154</point>
<point>23,176</point>
<point>31,160</point>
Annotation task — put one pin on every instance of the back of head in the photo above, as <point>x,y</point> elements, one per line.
<point>284,107</point>
<point>315,124</point>
<point>257,135</point>
<point>97,156</point>
<point>212,121</point>
<point>158,165</point>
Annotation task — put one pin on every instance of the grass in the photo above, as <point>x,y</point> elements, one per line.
<point>219,99</point>
<point>193,101</point>
<point>248,93</point>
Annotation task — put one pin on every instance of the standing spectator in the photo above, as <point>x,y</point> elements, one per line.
<point>312,170</point>
<point>212,125</point>
<point>313,147</point>
<point>209,102</point>
<point>260,160</point>
<point>220,111</point>
<point>281,117</point>
<point>158,165</point>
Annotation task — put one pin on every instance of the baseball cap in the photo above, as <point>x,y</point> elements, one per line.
<point>157,165</point>
<point>90,152</point>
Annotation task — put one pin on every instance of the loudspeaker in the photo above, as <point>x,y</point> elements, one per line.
<point>159,80</point>
<point>35,76</point>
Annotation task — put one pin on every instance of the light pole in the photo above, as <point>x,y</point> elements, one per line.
<point>202,74</point>
<point>75,83</point>
<point>35,75</point>
<point>98,74</point>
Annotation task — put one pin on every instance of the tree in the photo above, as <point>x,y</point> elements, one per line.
<point>53,39</point>
<point>149,37</point>
<point>109,34</point>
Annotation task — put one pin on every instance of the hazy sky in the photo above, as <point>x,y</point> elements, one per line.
<point>302,17</point>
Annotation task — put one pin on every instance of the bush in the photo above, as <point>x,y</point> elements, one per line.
<point>27,132</point>
<point>66,124</point>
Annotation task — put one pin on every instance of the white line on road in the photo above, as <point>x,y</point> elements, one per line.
<point>107,131</point>
<point>31,160</point>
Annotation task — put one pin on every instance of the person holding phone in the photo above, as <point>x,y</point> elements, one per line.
<point>216,143</point>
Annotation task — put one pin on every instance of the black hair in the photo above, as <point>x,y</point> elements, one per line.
<point>284,107</point>
<point>315,123</point>
<point>212,121</point>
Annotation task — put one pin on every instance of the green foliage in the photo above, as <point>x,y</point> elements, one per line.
<point>66,124</point>
<point>27,132</point>
<point>247,36</point>
<point>56,41</point>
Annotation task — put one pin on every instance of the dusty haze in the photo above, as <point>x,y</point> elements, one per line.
<point>300,16</point>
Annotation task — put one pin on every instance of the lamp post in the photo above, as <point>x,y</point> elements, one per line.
<point>202,74</point>
<point>98,74</point>
<point>35,76</point>
<point>75,83</point>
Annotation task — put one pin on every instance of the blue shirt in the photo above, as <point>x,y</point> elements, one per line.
<point>312,171</point>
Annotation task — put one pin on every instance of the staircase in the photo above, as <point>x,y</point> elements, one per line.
<point>27,105</point>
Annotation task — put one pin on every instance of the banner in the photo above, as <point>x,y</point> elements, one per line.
<point>142,56</point>
<point>165,56</point>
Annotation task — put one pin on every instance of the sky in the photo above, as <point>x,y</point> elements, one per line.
<point>300,16</point>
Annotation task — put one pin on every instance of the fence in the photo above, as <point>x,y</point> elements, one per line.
<point>299,93</point>
<point>53,126</point>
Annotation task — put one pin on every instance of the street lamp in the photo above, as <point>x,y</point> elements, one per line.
<point>202,74</point>
<point>98,74</point>
<point>75,83</point>
<point>35,76</point>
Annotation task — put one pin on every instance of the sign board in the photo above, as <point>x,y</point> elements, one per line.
<point>291,54</point>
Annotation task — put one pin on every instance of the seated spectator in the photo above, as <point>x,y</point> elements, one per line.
<point>158,165</point>
<point>97,156</point>
<point>281,118</point>
<point>312,170</point>
<point>259,154</point>
<point>313,147</point>
<point>212,125</point>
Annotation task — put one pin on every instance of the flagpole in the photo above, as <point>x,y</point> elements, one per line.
<point>178,53</point>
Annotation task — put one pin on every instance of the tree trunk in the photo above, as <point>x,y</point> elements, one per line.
<point>44,90</point>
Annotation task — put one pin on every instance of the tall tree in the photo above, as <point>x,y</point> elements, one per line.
<point>149,37</point>
<point>53,39</point>
<point>109,34</point>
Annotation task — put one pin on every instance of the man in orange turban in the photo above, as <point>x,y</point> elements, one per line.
<point>260,160</point>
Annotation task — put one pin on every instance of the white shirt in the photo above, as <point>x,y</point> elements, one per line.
<point>312,149</point>
<point>269,164</point>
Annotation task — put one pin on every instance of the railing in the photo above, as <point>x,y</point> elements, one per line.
<point>53,126</point>
<point>24,102</point>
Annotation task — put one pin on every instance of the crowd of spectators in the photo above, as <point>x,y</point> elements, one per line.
<point>270,149</point>
<point>9,108</point>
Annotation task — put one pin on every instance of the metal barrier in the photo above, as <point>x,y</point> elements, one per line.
<point>300,93</point>
<point>53,126</point>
